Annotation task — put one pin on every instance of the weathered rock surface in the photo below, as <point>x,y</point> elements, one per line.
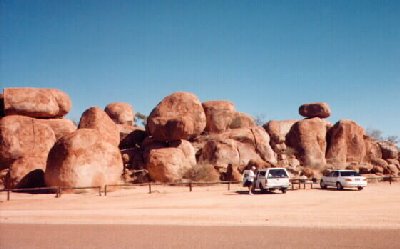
<point>36,102</point>
<point>219,115</point>
<point>178,116</point>
<point>346,143</point>
<point>278,129</point>
<point>24,137</point>
<point>372,149</point>
<point>96,118</point>
<point>236,146</point>
<point>389,150</point>
<point>242,120</point>
<point>60,126</point>
<point>83,158</point>
<point>27,172</point>
<point>315,110</point>
<point>120,113</point>
<point>167,164</point>
<point>308,138</point>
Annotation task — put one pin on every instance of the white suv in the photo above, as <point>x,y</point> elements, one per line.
<point>343,179</point>
<point>271,179</point>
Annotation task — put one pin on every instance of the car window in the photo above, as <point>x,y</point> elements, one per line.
<point>277,173</point>
<point>335,173</point>
<point>349,173</point>
<point>263,173</point>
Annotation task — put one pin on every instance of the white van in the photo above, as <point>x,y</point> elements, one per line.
<point>271,179</point>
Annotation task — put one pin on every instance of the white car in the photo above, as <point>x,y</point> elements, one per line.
<point>343,179</point>
<point>271,179</point>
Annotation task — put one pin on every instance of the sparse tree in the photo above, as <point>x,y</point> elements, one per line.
<point>393,139</point>
<point>260,119</point>
<point>142,117</point>
<point>375,133</point>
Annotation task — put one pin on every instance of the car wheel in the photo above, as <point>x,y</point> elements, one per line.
<point>322,184</point>
<point>339,186</point>
<point>360,188</point>
<point>283,190</point>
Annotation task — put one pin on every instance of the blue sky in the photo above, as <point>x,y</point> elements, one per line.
<point>268,57</point>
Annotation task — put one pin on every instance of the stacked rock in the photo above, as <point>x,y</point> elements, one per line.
<point>33,121</point>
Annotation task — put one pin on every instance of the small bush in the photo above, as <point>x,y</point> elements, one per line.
<point>203,172</point>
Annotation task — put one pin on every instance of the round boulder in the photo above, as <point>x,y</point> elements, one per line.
<point>83,158</point>
<point>219,115</point>
<point>36,102</point>
<point>178,116</point>
<point>315,110</point>
<point>60,126</point>
<point>24,137</point>
<point>96,118</point>
<point>120,113</point>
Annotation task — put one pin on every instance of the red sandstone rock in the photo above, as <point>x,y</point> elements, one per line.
<point>178,116</point>
<point>167,164</point>
<point>120,113</point>
<point>219,115</point>
<point>346,142</point>
<point>60,126</point>
<point>27,172</point>
<point>308,138</point>
<point>372,149</point>
<point>241,120</point>
<point>389,150</point>
<point>315,110</point>
<point>95,118</point>
<point>131,136</point>
<point>83,158</point>
<point>24,137</point>
<point>278,129</point>
<point>36,102</point>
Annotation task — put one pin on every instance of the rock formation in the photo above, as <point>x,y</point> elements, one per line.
<point>36,102</point>
<point>60,126</point>
<point>96,118</point>
<point>120,113</point>
<point>83,158</point>
<point>346,143</point>
<point>308,138</point>
<point>219,115</point>
<point>178,116</point>
<point>315,110</point>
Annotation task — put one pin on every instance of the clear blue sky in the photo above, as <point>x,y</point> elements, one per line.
<point>268,57</point>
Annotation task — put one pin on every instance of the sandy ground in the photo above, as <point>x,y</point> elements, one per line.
<point>335,219</point>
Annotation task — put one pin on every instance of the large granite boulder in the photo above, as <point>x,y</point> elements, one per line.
<point>308,138</point>
<point>36,102</point>
<point>219,115</point>
<point>83,158</point>
<point>236,146</point>
<point>241,120</point>
<point>96,118</point>
<point>120,113</point>
<point>372,149</point>
<point>278,129</point>
<point>167,164</point>
<point>315,110</point>
<point>60,126</point>
<point>346,143</point>
<point>178,116</point>
<point>131,136</point>
<point>389,150</point>
<point>24,137</point>
<point>27,172</point>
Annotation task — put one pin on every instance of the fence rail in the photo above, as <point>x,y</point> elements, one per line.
<point>58,189</point>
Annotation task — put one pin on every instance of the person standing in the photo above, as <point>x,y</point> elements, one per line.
<point>248,178</point>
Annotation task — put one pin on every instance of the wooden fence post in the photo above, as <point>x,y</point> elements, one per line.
<point>149,187</point>
<point>105,190</point>
<point>190,186</point>
<point>8,194</point>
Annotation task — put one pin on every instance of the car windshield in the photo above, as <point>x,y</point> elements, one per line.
<point>277,173</point>
<point>349,173</point>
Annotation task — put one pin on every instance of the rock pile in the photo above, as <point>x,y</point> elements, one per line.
<point>183,139</point>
